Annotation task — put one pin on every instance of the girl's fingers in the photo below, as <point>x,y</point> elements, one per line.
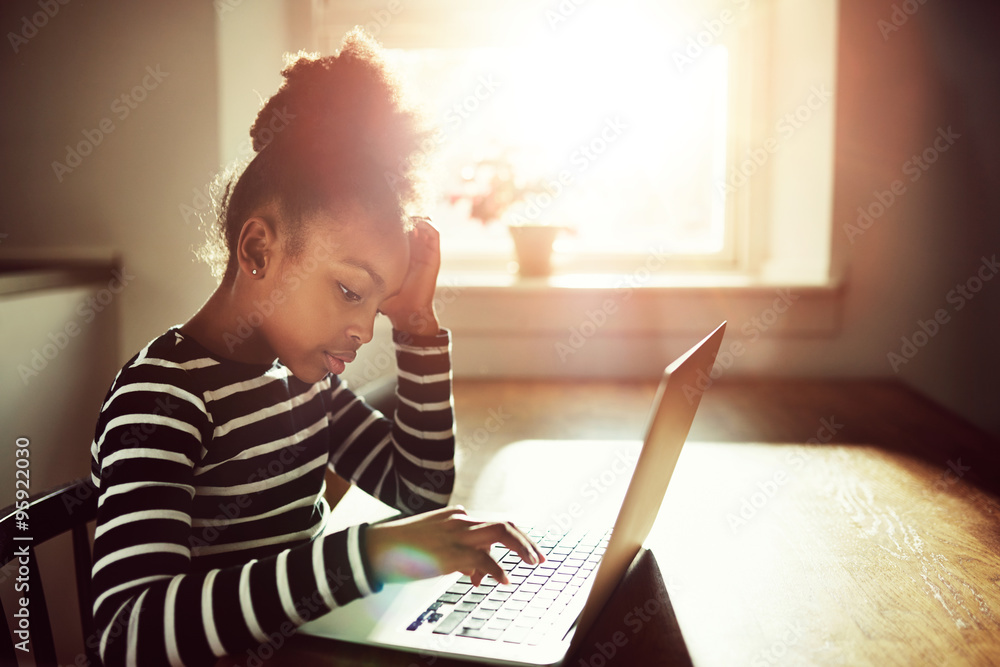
<point>470,541</point>
<point>486,565</point>
<point>534,547</point>
<point>507,534</point>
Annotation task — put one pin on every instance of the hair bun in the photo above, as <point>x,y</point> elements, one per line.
<point>326,102</point>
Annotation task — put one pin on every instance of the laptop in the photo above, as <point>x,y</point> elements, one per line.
<point>545,610</point>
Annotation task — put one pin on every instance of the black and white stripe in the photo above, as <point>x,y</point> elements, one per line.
<point>211,474</point>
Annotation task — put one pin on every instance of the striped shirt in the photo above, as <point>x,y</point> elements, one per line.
<point>209,538</point>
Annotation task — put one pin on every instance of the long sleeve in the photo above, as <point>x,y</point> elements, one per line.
<point>406,462</point>
<point>155,603</point>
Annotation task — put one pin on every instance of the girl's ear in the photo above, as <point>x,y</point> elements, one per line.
<point>256,247</point>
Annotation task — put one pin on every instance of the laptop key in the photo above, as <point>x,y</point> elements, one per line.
<point>500,623</point>
<point>460,589</point>
<point>515,634</point>
<point>483,613</point>
<point>480,633</point>
<point>449,598</point>
<point>450,622</point>
<point>534,638</point>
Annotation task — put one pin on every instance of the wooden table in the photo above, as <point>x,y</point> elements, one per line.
<point>808,522</point>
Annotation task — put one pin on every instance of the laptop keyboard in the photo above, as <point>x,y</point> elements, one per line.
<point>523,610</point>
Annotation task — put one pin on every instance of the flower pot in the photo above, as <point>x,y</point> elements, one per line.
<point>533,246</point>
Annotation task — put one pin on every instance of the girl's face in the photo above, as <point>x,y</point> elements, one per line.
<point>326,299</point>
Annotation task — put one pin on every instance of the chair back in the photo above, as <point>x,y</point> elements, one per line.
<point>69,507</point>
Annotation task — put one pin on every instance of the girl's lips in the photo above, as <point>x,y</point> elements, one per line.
<point>337,363</point>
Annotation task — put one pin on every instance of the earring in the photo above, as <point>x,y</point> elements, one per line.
<point>254,272</point>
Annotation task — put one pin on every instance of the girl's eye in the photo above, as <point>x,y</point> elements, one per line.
<point>348,294</point>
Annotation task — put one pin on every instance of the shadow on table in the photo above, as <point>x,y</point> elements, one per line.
<point>637,626</point>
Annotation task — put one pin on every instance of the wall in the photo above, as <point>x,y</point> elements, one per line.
<point>65,88</point>
<point>905,78</point>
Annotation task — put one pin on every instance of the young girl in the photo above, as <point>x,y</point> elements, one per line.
<point>213,443</point>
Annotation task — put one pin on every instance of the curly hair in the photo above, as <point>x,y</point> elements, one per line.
<point>338,133</point>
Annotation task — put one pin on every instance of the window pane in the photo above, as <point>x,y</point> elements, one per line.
<point>595,128</point>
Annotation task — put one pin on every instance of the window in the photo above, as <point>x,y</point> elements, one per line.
<point>637,124</point>
<point>605,119</point>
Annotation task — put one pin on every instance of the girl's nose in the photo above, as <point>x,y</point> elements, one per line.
<point>362,331</point>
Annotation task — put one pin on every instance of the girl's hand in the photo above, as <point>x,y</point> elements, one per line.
<point>412,310</point>
<point>443,541</point>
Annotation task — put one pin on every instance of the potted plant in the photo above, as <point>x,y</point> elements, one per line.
<point>495,189</point>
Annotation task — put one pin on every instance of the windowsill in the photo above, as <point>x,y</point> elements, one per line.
<point>596,325</point>
<point>490,304</point>
<point>486,281</point>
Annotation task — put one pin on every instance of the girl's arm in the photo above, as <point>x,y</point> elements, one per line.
<point>406,462</point>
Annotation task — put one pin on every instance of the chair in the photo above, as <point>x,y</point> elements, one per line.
<point>69,507</point>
